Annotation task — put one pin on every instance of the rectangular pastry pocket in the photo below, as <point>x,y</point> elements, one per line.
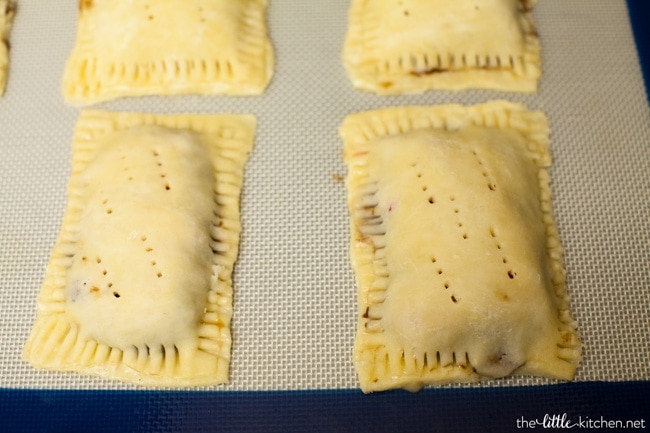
<point>146,47</point>
<point>138,287</point>
<point>7,12</point>
<point>458,263</point>
<point>410,46</point>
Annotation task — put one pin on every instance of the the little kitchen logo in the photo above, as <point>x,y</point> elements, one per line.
<point>562,421</point>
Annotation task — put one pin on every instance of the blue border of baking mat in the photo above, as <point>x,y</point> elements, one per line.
<point>580,405</point>
<point>452,410</point>
<point>639,12</point>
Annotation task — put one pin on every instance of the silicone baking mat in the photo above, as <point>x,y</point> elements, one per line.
<point>294,311</point>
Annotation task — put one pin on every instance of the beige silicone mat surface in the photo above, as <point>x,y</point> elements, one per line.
<point>295,311</point>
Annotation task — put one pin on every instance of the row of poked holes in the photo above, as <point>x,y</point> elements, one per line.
<point>431,199</point>
<point>163,175</point>
<point>150,16</point>
<point>149,249</point>
<point>446,284</point>
<point>490,183</point>
<point>109,210</point>
<point>511,274</point>
<point>104,273</point>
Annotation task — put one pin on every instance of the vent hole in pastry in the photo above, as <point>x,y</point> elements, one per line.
<point>465,236</point>
<point>159,274</point>
<point>148,249</point>
<point>116,294</point>
<point>83,5</point>
<point>98,259</point>
<point>492,187</point>
<point>433,260</point>
<point>143,238</point>
<point>424,188</point>
<point>431,200</point>
<point>104,272</point>
<point>439,271</point>
<point>109,285</point>
<point>446,285</point>
<point>511,274</point>
<point>454,299</point>
<point>153,263</point>
<point>167,187</point>
<point>109,211</point>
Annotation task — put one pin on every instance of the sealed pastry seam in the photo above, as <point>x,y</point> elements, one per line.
<point>456,254</point>
<point>138,287</point>
<point>7,13</point>
<point>166,48</point>
<point>410,46</point>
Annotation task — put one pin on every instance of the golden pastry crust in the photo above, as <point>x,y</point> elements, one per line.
<point>7,13</point>
<point>410,46</point>
<point>139,283</point>
<point>164,48</point>
<point>454,247</point>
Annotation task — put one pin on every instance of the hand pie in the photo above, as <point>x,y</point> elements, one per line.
<point>145,47</point>
<point>409,46</point>
<point>7,12</point>
<point>456,254</point>
<point>139,284</point>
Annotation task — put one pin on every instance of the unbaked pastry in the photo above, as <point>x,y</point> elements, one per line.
<point>454,246</point>
<point>145,47</point>
<point>139,284</point>
<point>409,46</point>
<point>7,12</point>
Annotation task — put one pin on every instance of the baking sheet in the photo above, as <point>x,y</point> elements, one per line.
<point>295,310</point>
